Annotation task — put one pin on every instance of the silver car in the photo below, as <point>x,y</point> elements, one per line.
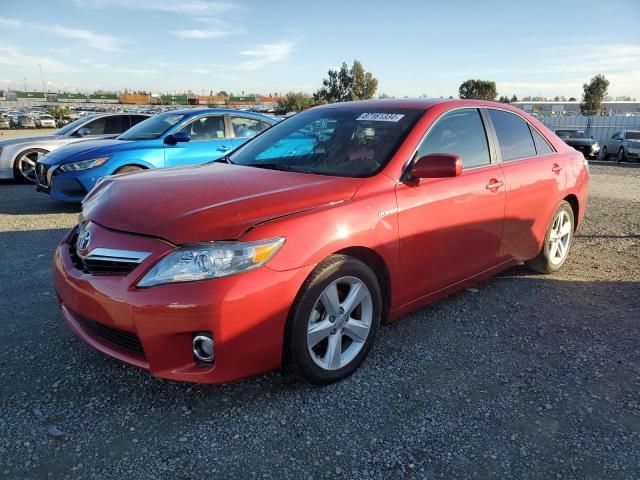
<point>45,121</point>
<point>624,145</point>
<point>18,156</point>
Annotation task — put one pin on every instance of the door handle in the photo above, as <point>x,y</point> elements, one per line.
<point>223,148</point>
<point>556,168</point>
<point>493,184</point>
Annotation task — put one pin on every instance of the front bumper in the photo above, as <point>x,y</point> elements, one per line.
<point>633,152</point>
<point>246,313</point>
<point>66,186</point>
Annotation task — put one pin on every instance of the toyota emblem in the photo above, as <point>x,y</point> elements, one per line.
<point>83,239</point>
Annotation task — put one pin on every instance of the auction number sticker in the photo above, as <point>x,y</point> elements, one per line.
<point>380,117</point>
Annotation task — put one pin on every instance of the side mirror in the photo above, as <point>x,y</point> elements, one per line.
<point>177,137</point>
<point>83,132</point>
<point>437,165</point>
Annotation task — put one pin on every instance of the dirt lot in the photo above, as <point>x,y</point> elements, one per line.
<point>524,376</point>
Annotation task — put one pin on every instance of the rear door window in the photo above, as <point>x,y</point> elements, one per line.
<point>513,135</point>
<point>461,133</point>
<point>245,127</point>
<point>116,124</point>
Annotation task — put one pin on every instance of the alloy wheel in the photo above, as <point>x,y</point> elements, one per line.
<point>621,155</point>
<point>560,238</point>
<point>339,323</point>
<point>27,164</point>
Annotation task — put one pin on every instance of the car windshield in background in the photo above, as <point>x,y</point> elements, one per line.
<point>568,134</point>
<point>152,128</point>
<point>633,135</point>
<point>73,125</point>
<point>344,142</point>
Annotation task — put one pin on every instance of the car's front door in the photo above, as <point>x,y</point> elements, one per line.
<point>614,143</point>
<point>209,141</point>
<point>534,175</point>
<point>450,228</point>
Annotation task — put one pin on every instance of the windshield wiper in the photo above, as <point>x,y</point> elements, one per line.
<point>225,159</point>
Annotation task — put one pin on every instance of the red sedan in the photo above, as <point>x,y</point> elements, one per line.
<point>292,250</point>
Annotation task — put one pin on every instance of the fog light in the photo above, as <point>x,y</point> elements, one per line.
<point>203,349</point>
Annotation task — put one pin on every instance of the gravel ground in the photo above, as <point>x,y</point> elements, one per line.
<point>523,376</point>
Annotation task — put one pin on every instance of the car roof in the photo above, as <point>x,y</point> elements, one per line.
<point>202,111</point>
<point>420,104</point>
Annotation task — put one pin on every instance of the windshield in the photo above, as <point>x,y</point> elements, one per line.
<point>73,125</point>
<point>346,142</point>
<point>152,128</point>
<point>633,135</point>
<point>571,134</point>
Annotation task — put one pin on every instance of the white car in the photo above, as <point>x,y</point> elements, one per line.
<point>45,121</point>
<point>18,156</point>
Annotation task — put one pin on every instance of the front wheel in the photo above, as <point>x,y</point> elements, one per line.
<point>621,155</point>
<point>25,165</point>
<point>333,321</point>
<point>557,242</point>
<point>128,169</point>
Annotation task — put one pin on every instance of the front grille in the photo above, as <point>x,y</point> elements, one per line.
<point>41,174</point>
<point>121,338</point>
<point>97,266</point>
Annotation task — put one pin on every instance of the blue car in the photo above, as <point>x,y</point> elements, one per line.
<point>170,139</point>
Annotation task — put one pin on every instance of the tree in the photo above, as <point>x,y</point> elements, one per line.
<point>57,111</point>
<point>513,98</point>
<point>347,84</point>
<point>295,102</point>
<point>503,99</point>
<point>222,93</point>
<point>478,89</point>
<point>594,93</point>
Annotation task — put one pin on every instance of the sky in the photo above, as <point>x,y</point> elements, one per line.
<point>413,48</point>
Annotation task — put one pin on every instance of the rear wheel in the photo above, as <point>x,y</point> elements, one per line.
<point>557,242</point>
<point>604,153</point>
<point>24,168</point>
<point>128,169</point>
<point>333,322</point>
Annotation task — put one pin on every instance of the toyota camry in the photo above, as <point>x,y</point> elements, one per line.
<point>292,250</point>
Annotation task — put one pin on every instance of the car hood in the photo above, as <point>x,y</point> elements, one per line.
<point>580,142</point>
<point>208,202</point>
<point>86,150</point>
<point>17,141</point>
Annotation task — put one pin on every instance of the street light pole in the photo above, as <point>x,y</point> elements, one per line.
<point>42,78</point>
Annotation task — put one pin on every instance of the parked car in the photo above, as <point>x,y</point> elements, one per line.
<point>178,138</point>
<point>26,121</point>
<point>293,257</point>
<point>18,156</point>
<point>5,122</point>
<point>45,121</point>
<point>623,144</point>
<point>579,140</point>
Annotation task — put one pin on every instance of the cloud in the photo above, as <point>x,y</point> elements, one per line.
<point>199,34</point>
<point>187,7</point>
<point>98,41</point>
<point>10,55</point>
<point>201,71</point>
<point>266,54</point>
<point>92,39</point>
<point>9,22</point>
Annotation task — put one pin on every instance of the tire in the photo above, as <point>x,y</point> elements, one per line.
<point>24,166</point>
<point>128,169</point>
<point>555,252</point>
<point>604,153</point>
<point>318,326</point>
<point>621,156</point>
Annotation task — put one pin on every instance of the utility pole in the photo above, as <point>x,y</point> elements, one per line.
<point>42,78</point>
<point>25,84</point>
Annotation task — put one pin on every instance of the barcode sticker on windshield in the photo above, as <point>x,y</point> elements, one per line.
<point>380,117</point>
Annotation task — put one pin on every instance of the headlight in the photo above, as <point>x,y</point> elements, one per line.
<point>83,165</point>
<point>202,261</point>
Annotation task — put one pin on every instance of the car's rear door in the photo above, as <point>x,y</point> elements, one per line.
<point>450,228</point>
<point>209,141</point>
<point>534,175</point>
